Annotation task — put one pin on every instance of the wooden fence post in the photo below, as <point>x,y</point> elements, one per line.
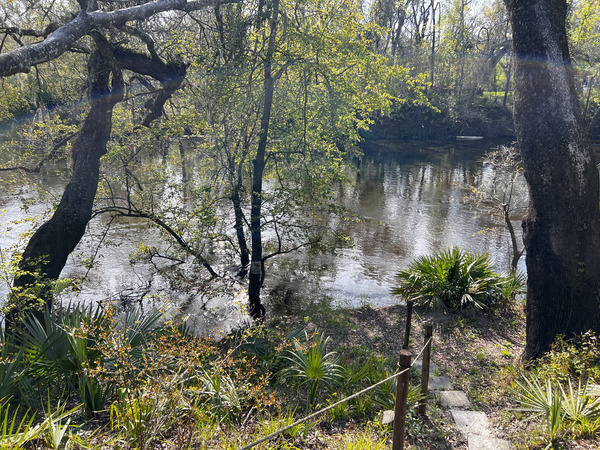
<point>401,395</point>
<point>409,308</point>
<point>425,368</point>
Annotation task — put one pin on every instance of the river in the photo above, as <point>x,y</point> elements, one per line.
<point>414,198</point>
<point>411,199</point>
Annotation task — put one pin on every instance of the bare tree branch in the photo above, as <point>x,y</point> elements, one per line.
<point>128,212</point>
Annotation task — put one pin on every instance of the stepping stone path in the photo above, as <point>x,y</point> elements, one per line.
<point>473,425</point>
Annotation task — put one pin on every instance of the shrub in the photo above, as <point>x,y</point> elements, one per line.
<point>312,366</point>
<point>571,408</point>
<point>562,388</point>
<point>572,359</point>
<point>452,279</point>
<point>79,347</point>
<point>16,429</point>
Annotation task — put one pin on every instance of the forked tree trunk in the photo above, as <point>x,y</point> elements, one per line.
<point>562,225</point>
<point>47,251</point>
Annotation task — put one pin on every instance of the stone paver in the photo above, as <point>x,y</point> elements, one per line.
<point>473,425</point>
<point>441,383</point>
<point>454,399</point>
<point>433,368</point>
<point>388,416</point>
<point>471,422</point>
<point>477,442</point>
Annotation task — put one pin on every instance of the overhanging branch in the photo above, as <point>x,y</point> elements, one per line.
<point>53,153</point>
<point>58,42</point>
<point>126,212</point>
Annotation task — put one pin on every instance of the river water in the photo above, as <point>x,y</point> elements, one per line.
<point>412,199</point>
<point>415,200</point>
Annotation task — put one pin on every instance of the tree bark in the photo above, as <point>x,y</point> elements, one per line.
<point>562,225</point>
<point>257,265</point>
<point>170,76</point>
<point>238,212</point>
<point>47,251</point>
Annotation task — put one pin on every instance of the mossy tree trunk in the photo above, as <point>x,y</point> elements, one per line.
<point>562,226</point>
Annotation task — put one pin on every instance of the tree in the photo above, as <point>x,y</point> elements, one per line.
<point>494,42</point>
<point>280,91</point>
<point>283,113</point>
<point>48,249</point>
<point>584,34</point>
<point>60,38</point>
<point>562,225</point>
<point>500,191</point>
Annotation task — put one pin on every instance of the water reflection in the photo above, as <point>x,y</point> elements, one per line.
<point>412,201</point>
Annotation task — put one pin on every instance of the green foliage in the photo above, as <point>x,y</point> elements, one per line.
<point>17,429</point>
<point>57,425</point>
<point>221,392</point>
<point>543,401</point>
<point>156,379</point>
<point>575,409</point>
<point>13,102</point>
<point>581,405</point>
<point>269,423</point>
<point>562,388</point>
<point>11,358</point>
<point>572,359</point>
<point>312,366</point>
<point>78,347</point>
<point>513,285</point>
<point>141,415</point>
<point>370,438</point>
<point>452,279</point>
<point>65,349</point>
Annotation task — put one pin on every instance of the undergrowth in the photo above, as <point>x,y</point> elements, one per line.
<point>100,378</point>
<point>96,378</point>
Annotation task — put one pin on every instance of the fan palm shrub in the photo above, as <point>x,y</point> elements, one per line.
<point>575,408</point>
<point>312,366</point>
<point>452,279</point>
<point>11,357</point>
<point>80,348</point>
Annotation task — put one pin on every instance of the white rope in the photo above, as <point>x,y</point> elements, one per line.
<point>422,350</point>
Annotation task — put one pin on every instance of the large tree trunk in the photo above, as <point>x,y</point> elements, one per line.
<point>562,226</point>
<point>47,251</point>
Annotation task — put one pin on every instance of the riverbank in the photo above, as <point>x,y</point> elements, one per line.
<point>164,387</point>
<point>440,121</point>
<point>478,350</point>
<point>474,349</point>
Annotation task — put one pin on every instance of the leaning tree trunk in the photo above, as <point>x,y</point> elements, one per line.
<point>47,251</point>
<point>562,225</point>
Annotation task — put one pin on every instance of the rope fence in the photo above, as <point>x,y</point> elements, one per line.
<point>346,399</point>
